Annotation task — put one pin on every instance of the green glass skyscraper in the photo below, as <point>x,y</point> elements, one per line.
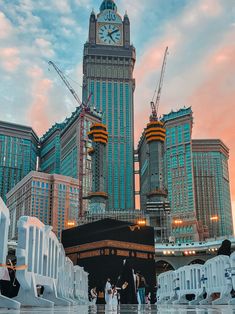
<point>179,174</point>
<point>108,66</point>
<point>18,154</point>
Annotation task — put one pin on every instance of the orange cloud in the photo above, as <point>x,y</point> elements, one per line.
<point>213,104</point>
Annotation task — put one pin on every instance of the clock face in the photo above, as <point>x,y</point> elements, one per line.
<point>109,34</point>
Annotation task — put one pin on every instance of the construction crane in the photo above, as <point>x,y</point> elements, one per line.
<point>84,108</point>
<point>155,104</point>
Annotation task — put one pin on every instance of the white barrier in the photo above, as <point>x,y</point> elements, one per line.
<point>166,292</point>
<point>189,281</point>
<point>69,280</point>
<point>81,285</point>
<point>217,280</point>
<point>66,278</point>
<point>216,276</point>
<point>38,255</point>
<point>4,228</point>
<point>231,274</point>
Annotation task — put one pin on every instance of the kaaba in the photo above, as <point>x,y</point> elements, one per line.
<point>100,247</point>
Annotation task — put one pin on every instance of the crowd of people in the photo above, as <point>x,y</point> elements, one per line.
<point>130,288</point>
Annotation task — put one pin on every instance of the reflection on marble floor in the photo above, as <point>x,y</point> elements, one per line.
<point>127,309</point>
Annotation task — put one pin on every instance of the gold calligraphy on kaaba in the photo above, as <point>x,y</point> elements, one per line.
<point>111,247</point>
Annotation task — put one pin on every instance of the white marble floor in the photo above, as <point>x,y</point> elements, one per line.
<point>126,309</point>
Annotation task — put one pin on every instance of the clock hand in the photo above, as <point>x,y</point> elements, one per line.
<point>115,31</point>
<point>110,35</point>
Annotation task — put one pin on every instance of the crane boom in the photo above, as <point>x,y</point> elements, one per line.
<point>155,105</point>
<point>66,82</point>
<point>84,108</point>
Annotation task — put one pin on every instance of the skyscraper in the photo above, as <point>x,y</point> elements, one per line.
<point>70,145</point>
<point>212,190</point>
<point>179,174</point>
<point>18,154</point>
<point>108,65</point>
<point>51,198</point>
<point>60,148</point>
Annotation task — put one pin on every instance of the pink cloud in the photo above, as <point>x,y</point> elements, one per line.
<point>213,103</point>
<point>9,58</point>
<point>211,7</point>
<point>37,113</point>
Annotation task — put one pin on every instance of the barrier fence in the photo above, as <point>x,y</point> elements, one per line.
<point>208,284</point>
<point>4,227</point>
<point>41,262</point>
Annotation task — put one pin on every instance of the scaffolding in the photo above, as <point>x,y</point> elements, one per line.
<point>132,216</point>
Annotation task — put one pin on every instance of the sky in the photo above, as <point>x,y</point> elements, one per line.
<point>200,68</point>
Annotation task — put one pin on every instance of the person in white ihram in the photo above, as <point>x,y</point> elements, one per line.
<point>93,295</point>
<point>108,292</point>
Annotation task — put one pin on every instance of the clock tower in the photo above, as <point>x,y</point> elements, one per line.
<point>108,65</point>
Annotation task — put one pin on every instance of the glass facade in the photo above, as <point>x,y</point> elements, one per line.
<point>50,150</point>
<point>179,174</point>
<point>212,188</point>
<point>115,100</point>
<point>18,155</point>
<point>60,148</point>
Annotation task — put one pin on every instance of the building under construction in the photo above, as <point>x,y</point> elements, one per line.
<point>136,217</point>
<point>153,192</point>
<point>64,148</point>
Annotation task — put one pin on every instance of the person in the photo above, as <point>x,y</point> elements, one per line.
<point>108,292</point>
<point>141,285</point>
<point>93,295</point>
<point>115,297</point>
<point>126,284</point>
<point>225,248</point>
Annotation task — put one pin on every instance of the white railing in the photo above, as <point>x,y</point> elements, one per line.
<point>167,287</point>
<point>4,228</point>
<point>38,255</point>
<point>189,281</point>
<point>80,285</point>
<point>215,279</point>
<point>41,262</point>
<point>218,280</point>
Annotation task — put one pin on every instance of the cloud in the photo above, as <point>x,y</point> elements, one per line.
<point>5,26</point>
<point>66,21</point>
<point>215,97</point>
<point>45,47</point>
<point>62,6</point>
<point>37,112</point>
<point>202,10</point>
<point>83,3</point>
<point>9,58</point>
